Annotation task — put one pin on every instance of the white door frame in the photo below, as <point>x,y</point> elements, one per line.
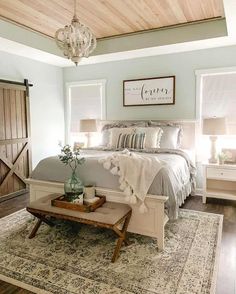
<point>69,85</point>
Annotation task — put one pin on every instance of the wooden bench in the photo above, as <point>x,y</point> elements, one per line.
<point>111,215</point>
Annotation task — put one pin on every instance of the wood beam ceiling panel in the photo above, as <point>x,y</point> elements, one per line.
<point>109,17</point>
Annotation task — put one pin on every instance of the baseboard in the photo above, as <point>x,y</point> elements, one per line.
<point>13,195</point>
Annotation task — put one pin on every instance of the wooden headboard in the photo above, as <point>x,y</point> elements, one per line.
<point>188,126</point>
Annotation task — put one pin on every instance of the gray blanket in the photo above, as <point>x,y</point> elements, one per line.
<point>176,178</point>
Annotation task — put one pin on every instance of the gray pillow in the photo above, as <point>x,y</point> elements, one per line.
<point>172,134</point>
<point>125,124</point>
<point>170,137</point>
<point>153,136</point>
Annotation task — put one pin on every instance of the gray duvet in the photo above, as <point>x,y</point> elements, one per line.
<point>176,179</point>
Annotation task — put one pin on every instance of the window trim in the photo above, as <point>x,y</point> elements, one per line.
<point>69,85</point>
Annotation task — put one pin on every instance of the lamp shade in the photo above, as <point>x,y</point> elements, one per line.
<point>88,125</point>
<point>214,126</point>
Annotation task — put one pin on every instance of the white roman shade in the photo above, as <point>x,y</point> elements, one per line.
<point>219,98</point>
<point>85,104</point>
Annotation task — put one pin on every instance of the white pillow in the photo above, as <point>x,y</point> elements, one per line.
<point>114,134</point>
<point>153,136</point>
<point>105,137</point>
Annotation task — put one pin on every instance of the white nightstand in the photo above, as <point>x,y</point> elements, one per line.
<point>219,181</point>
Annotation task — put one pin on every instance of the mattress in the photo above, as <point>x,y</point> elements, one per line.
<point>175,179</point>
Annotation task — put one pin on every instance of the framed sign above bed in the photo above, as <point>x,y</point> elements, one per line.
<point>149,91</point>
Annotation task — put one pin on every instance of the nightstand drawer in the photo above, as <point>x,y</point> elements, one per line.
<point>221,173</point>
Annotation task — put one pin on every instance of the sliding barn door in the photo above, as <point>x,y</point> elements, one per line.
<point>15,155</point>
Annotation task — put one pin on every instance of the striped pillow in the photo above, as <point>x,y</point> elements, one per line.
<point>134,141</point>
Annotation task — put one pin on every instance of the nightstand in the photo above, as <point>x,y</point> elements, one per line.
<point>219,181</point>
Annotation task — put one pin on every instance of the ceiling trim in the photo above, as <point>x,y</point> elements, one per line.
<point>206,20</point>
<point>119,35</point>
<point>19,49</point>
<point>160,50</point>
<point>174,35</point>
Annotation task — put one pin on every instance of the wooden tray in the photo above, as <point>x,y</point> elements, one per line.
<point>62,203</point>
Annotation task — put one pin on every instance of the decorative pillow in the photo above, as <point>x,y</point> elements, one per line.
<point>105,132</point>
<point>153,136</point>
<point>105,138</point>
<point>170,137</point>
<point>172,134</point>
<point>114,134</point>
<point>125,124</point>
<point>134,141</point>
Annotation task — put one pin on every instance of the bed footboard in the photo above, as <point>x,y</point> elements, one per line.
<point>150,224</point>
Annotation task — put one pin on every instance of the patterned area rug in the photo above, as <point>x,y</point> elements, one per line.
<point>71,258</point>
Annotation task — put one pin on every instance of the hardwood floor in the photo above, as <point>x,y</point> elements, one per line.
<point>227,268</point>
<point>14,204</point>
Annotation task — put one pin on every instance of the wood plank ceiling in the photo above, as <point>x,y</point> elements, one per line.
<point>109,17</point>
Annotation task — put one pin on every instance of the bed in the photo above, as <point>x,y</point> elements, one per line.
<point>170,187</point>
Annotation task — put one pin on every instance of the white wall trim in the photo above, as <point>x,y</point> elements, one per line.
<point>69,85</point>
<point>215,71</point>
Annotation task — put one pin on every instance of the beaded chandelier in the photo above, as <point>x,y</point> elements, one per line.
<point>75,40</point>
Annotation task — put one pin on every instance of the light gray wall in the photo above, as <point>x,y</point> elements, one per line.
<point>46,101</point>
<point>182,65</point>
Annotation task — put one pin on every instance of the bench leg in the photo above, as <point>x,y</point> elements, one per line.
<point>41,219</point>
<point>35,229</point>
<point>122,236</point>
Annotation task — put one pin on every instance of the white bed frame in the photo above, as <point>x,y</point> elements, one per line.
<point>152,223</point>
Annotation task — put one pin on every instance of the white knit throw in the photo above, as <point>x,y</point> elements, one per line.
<point>136,174</point>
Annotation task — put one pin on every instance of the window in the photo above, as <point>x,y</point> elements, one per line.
<point>219,98</point>
<point>216,96</point>
<point>85,100</point>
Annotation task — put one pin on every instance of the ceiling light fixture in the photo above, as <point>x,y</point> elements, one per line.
<point>75,40</point>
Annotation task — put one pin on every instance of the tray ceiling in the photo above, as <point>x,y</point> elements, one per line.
<point>109,17</point>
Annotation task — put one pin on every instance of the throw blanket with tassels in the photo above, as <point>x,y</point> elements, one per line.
<point>136,174</point>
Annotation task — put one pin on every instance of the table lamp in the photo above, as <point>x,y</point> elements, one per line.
<point>88,126</point>
<point>213,127</point>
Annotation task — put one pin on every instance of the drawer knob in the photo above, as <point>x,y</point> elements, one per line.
<point>222,174</point>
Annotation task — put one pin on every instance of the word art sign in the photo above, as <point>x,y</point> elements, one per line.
<point>151,91</point>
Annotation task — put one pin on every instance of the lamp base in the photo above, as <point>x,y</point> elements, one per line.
<point>88,135</point>
<point>213,158</point>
